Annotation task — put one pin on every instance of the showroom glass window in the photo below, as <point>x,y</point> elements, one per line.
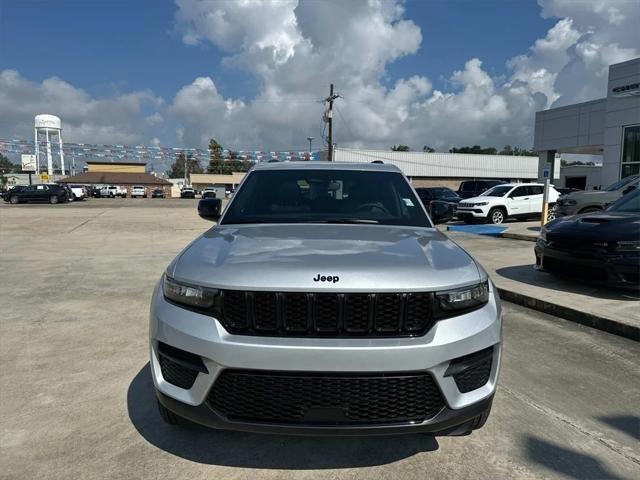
<point>631,151</point>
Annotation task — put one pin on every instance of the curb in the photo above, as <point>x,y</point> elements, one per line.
<point>594,321</point>
<point>519,236</point>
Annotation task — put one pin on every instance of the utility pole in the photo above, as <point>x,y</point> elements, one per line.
<point>329,117</point>
<point>186,166</point>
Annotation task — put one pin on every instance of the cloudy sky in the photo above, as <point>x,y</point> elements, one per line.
<point>250,72</point>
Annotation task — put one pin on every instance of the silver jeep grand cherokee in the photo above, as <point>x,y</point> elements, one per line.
<point>325,302</point>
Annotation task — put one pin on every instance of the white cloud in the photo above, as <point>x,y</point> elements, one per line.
<point>118,119</point>
<point>300,47</point>
<point>294,49</point>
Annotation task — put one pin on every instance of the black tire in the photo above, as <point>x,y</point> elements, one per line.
<point>496,216</point>
<point>168,416</point>
<point>14,200</point>
<point>53,199</point>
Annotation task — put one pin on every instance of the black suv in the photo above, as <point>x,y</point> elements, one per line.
<point>473,188</point>
<point>39,193</point>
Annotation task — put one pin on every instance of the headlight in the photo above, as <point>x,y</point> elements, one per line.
<point>480,204</point>
<point>190,295</point>
<point>628,246</point>
<point>464,298</point>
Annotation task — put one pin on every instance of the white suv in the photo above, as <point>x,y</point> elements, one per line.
<point>515,200</point>
<point>138,191</point>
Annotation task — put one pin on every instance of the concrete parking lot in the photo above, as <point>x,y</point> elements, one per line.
<point>76,397</point>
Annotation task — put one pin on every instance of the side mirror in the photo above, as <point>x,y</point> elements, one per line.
<point>630,188</point>
<point>440,212</point>
<point>210,209</point>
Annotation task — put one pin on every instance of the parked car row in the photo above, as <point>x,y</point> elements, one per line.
<point>50,193</point>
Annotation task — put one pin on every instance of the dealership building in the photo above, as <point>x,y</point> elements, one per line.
<point>125,174</point>
<point>608,126</point>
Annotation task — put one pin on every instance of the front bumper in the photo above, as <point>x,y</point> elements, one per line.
<point>204,336</point>
<point>609,269</point>
<point>470,213</point>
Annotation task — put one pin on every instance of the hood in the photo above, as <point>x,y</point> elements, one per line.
<point>591,195</point>
<point>364,258</point>
<point>478,199</point>
<point>595,227</point>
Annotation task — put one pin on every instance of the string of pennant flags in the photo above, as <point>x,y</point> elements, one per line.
<point>143,153</point>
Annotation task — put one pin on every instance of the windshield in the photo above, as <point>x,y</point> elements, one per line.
<point>628,203</point>
<point>444,193</point>
<point>497,191</point>
<point>326,196</point>
<point>621,183</point>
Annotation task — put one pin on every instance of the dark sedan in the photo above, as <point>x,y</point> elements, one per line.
<point>158,193</point>
<point>602,247</point>
<point>428,194</point>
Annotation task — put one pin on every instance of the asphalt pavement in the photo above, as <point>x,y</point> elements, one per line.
<point>76,398</point>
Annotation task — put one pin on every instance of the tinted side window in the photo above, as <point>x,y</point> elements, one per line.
<point>535,190</point>
<point>520,192</point>
<point>468,186</point>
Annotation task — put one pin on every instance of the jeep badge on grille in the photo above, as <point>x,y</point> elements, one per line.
<point>327,278</point>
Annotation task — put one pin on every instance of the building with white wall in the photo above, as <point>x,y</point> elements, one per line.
<point>608,126</point>
<point>448,169</point>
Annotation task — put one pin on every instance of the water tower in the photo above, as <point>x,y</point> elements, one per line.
<point>47,127</point>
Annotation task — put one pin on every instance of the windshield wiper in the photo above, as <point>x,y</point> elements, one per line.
<point>343,220</point>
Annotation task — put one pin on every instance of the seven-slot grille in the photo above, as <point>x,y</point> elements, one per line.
<point>325,398</point>
<point>326,314</point>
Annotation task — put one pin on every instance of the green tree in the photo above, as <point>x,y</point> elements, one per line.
<point>177,168</point>
<point>507,150</point>
<point>246,165</point>
<point>400,148</point>
<point>428,149</point>
<point>476,149</point>
<point>7,166</point>
<point>523,152</point>
<point>216,162</point>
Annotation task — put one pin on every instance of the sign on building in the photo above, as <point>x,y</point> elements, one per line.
<point>44,177</point>
<point>28,163</point>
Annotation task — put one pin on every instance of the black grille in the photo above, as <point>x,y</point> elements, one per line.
<point>326,314</point>
<point>475,370</point>
<point>176,374</point>
<point>325,399</point>
<point>179,367</point>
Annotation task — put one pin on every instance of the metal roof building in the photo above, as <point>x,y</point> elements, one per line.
<point>449,166</point>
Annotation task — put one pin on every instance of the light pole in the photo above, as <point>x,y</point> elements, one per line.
<point>310,140</point>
